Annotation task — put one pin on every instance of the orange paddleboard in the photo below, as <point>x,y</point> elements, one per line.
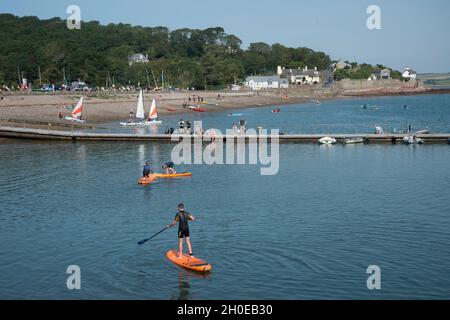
<point>148,180</point>
<point>173,175</point>
<point>193,264</point>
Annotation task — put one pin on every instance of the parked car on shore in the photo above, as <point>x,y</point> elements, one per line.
<point>48,88</point>
<point>79,86</point>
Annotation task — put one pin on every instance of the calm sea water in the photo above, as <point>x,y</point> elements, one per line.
<point>335,116</point>
<point>308,232</point>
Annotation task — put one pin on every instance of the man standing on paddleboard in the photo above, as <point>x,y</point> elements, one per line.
<point>182,217</point>
<point>147,170</point>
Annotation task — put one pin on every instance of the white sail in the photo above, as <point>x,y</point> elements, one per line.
<point>153,114</point>
<point>140,107</point>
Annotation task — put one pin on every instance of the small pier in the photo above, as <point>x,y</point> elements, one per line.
<point>61,135</point>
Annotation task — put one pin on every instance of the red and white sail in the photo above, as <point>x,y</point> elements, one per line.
<point>153,114</point>
<point>76,113</point>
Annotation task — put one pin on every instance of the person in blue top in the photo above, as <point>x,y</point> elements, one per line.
<point>147,170</point>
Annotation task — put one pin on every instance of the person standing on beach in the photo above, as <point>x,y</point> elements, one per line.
<point>182,217</point>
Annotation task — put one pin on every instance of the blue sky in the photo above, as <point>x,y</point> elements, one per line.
<point>414,33</point>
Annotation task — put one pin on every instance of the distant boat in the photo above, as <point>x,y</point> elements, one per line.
<point>315,101</point>
<point>153,115</point>
<point>138,121</point>
<point>327,140</point>
<point>234,114</point>
<point>77,112</point>
<point>375,108</point>
<point>423,131</point>
<point>353,140</point>
<point>277,110</point>
<point>197,108</point>
<point>379,130</point>
<point>411,139</point>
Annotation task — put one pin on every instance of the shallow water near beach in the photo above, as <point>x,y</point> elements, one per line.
<point>309,232</point>
<point>393,114</point>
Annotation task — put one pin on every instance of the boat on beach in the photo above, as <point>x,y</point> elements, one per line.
<point>197,108</point>
<point>140,116</point>
<point>327,140</point>
<point>152,115</point>
<point>77,112</point>
<point>139,113</point>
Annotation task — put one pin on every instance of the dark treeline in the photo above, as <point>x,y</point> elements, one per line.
<point>98,54</point>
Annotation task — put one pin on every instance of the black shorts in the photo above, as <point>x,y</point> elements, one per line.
<point>183,233</point>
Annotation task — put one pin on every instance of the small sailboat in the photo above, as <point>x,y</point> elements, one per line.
<point>327,140</point>
<point>77,112</point>
<point>139,113</point>
<point>153,115</point>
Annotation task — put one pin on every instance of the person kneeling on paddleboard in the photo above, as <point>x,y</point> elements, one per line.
<point>182,217</point>
<point>168,166</point>
<point>147,170</point>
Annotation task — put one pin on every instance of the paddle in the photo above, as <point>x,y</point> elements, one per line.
<point>145,240</point>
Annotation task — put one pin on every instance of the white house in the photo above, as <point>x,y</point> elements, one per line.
<point>138,58</point>
<point>300,76</point>
<point>266,82</point>
<point>409,74</point>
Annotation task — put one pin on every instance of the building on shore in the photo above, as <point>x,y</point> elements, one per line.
<point>266,82</point>
<point>409,74</point>
<point>380,74</point>
<point>300,76</point>
<point>138,58</point>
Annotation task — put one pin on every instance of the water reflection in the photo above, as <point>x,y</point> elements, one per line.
<point>141,154</point>
<point>184,283</point>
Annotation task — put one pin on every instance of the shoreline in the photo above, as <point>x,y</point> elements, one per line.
<point>41,109</point>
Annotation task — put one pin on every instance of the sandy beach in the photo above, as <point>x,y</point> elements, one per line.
<point>107,107</point>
